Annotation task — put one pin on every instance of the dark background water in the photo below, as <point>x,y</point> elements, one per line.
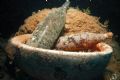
<point>13,12</point>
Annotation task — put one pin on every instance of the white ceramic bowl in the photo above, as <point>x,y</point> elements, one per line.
<point>46,64</point>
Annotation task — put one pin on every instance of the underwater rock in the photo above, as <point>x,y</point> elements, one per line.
<point>82,41</point>
<point>110,75</point>
<point>49,29</point>
<point>3,69</point>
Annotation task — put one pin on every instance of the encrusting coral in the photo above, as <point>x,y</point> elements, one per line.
<point>31,22</point>
<point>76,21</point>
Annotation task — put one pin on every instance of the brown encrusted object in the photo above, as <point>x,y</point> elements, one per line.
<point>84,41</point>
<point>76,21</point>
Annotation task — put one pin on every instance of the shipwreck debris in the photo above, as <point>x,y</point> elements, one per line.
<point>50,28</point>
<point>81,41</point>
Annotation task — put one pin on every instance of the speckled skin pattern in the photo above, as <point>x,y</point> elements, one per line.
<point>47,64</point>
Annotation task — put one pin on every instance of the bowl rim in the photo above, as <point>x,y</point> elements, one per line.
<point>19,43</point>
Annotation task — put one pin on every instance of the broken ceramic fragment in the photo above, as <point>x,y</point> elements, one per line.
<point>49,29</point>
